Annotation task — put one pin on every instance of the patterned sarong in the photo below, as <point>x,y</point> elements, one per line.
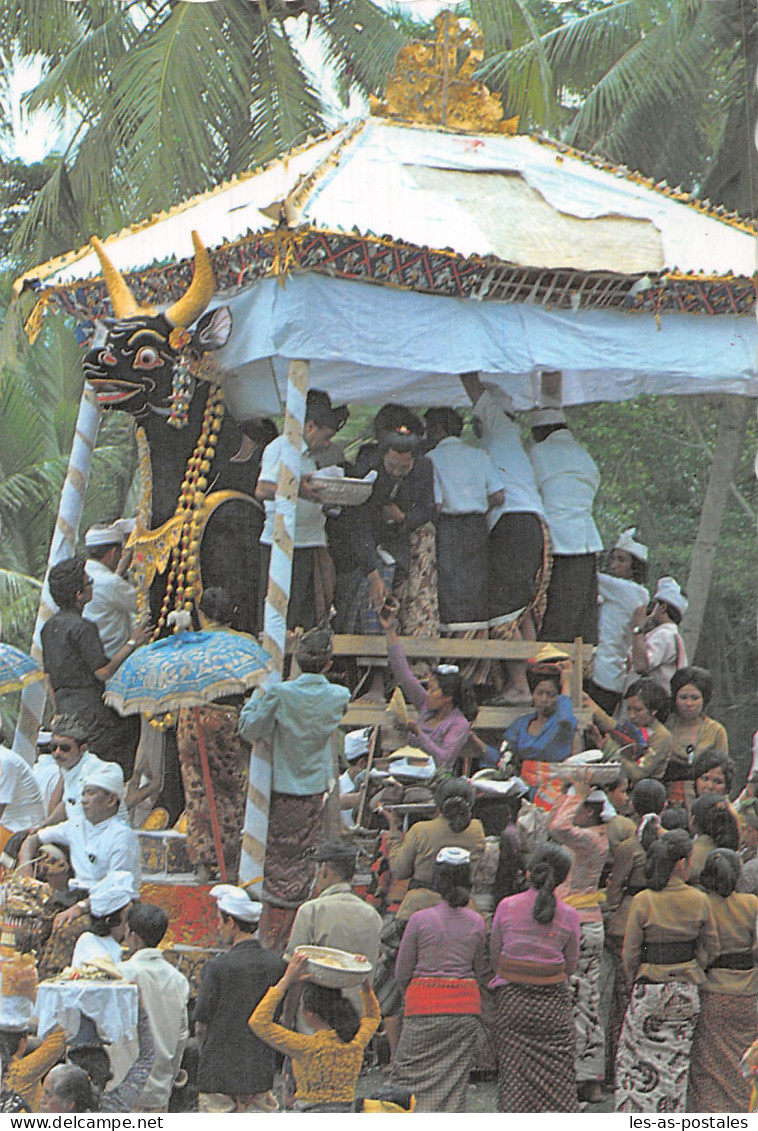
<point>434,1059</point>
<point>536,1047</point>
<point>585,994</point>
<point>227,762</point>
<point>725,1028</point>
<point>419,613</point>
<point>294,833</point>
<point>653,1058</point>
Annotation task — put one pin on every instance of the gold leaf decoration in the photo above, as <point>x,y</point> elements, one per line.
<point>433,83</point>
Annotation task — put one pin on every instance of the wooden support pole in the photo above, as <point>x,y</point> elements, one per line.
<point>255,832</point>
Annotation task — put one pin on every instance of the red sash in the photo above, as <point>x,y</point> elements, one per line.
<point>442,995</point>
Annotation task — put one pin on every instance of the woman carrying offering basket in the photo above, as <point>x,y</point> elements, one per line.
<point>326,1063</point>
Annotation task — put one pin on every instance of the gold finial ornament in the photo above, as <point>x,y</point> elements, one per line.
<point>433,82</point>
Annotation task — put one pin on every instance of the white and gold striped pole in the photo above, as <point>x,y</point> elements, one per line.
<point>275,618</point>
<point>62,545</point>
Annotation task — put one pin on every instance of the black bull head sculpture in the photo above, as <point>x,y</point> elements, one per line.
<point>150,367</point>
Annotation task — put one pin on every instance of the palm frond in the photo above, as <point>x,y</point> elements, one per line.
<point>362,42</point>
<point>285,106</point>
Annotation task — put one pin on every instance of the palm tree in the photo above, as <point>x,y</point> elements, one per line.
<point>173,97</point>
<point>38,407</point>
<point>662,86</point>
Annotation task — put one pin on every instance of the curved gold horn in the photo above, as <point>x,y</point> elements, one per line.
<point>197,296</point>
<point>123,301</point>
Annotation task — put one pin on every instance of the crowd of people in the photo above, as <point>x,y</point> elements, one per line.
<point>575,919</point>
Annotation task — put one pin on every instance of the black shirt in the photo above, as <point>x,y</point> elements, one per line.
<point>72,652</point>
<point>233,1060</point>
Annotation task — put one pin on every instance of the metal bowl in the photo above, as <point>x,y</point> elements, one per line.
<point>335,968</point>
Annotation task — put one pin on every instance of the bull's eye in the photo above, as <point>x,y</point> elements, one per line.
<point>147,358</point>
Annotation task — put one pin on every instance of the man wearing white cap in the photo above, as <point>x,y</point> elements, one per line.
<point>568,479</point>
<point>109,903</point>
<point>657,648</point>
<point>236,1069</point>
<point>113,607</point>
<point>356,750</point>
<point>99,842</point>
<point>621,591</point>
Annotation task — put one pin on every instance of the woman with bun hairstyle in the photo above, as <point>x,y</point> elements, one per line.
<point>534,949</point>
<point>627,879</point>
<point>577,822</point>
<point>413,856</point>
<point>713,825</point>
<point>669,943</point>
<point>441,956</point>
<point>326,1062</point>
<point>729,995</point>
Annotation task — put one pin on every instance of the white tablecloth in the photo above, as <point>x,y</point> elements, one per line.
<point>112,1006</point>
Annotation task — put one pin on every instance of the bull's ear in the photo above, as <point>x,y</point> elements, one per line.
<point>213,330</point>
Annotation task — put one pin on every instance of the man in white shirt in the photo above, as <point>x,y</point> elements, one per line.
<point>466,486</point>
<point>68,747</point>
<point>657,648</point>
<point>98,841</point>
<point>356,749</point>
<point>46,771</point>
<point>622,591</point>
<point>113,606</point>
<point>321,423</point>
<point>21,805</point>
<point>568,479</point>
<point>165,993</point>
<point>518,532</point>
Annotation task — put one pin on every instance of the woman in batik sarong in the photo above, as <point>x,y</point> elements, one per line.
<point>534,948</point>
<point>670,941</point>
<point>727,1022</point>
<point>212,728</point>
<point>626,879</point>
<point>441,955</point>
<point>577,822</point>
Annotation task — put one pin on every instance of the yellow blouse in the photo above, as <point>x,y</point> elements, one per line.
<point>326,1069</point>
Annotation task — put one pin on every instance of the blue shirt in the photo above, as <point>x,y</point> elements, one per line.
<point>297,718</point>
<point>553,743</point>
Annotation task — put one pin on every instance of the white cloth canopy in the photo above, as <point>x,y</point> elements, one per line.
<point>368,344</point>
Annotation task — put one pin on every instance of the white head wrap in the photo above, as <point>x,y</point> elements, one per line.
<point>626,541</point>
<point>669,591</point>
<point>102,535</point>
<point>111,893</point>
<point>357,743</point>
<point>236,902</point>
<point>452,855</point>
<point>107,776</point>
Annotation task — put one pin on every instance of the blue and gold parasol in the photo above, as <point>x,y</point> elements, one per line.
<point>17,670</point>
<point>186,670</point>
